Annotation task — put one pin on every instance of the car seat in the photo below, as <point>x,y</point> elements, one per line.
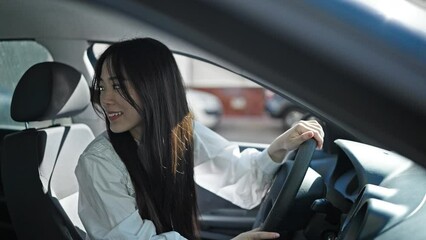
<point>40,187</point>
<point>6,228</point>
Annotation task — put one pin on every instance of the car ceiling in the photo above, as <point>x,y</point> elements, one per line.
<point>336,69</point>
<point>74,21</point>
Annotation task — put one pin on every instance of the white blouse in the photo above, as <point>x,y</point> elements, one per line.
<point>107,205</point>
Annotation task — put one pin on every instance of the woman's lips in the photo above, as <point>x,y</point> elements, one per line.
<point>112,116</point>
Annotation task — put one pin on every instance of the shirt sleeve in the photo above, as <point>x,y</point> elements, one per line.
<point>220,167</point>
<point>106,208</point>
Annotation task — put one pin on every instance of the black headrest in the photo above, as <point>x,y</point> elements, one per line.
<point>49,90</point>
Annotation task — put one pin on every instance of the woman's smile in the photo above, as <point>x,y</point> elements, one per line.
<point>112,116</point>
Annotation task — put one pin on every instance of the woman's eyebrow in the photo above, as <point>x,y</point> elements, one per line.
<point>113,78</point>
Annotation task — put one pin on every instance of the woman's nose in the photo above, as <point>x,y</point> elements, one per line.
<point>107,97</point>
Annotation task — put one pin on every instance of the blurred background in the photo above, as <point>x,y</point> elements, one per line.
<point>235,107</point>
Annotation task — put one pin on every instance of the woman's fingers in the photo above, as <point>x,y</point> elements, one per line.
<point>312,125</point>
<point>293,137</point>
<point>310,129</point>
<point>264,235</point>
<point>255,235</point>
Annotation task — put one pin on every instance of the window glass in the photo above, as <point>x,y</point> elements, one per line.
<point>228,103</point>
<point>15,58</point>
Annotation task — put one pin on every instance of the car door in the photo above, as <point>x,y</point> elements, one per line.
<point>219,218</point>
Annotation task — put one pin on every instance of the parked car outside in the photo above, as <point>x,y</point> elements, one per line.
<point>206,107</point>
<point>279,107</point>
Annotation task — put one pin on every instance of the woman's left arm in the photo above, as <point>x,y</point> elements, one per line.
<point>243,177</point>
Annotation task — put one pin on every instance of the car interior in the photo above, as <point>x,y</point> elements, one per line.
<point>340,61</point>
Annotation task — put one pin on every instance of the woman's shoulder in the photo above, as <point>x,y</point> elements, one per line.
<point>101,152</point>
<point>100,144</point>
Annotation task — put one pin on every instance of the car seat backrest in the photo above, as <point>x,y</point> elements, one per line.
<point>6,228</point>
<point>38,165</point>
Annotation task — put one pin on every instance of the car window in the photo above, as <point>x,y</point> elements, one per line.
<point>249,112</point>
<point>15,58</point>
<point>235,107</point>
<point>240,114</point>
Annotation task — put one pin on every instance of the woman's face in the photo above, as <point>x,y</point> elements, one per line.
<point>121,115</point>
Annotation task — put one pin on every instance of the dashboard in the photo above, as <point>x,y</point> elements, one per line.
<point>379,193</point>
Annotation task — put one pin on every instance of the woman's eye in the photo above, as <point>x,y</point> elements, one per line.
<point>100,88</point>
<point>116,86</point>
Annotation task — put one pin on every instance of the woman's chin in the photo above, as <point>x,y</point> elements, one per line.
<point>117,130</point>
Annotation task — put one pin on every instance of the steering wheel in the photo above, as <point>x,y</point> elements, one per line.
<point>290,187</point>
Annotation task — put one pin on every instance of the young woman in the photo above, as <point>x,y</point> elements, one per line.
<point>137,179</point>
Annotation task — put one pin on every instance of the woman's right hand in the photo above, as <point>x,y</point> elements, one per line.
<point>256,234</point>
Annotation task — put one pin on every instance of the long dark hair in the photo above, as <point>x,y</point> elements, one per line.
<point>161,167</point>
